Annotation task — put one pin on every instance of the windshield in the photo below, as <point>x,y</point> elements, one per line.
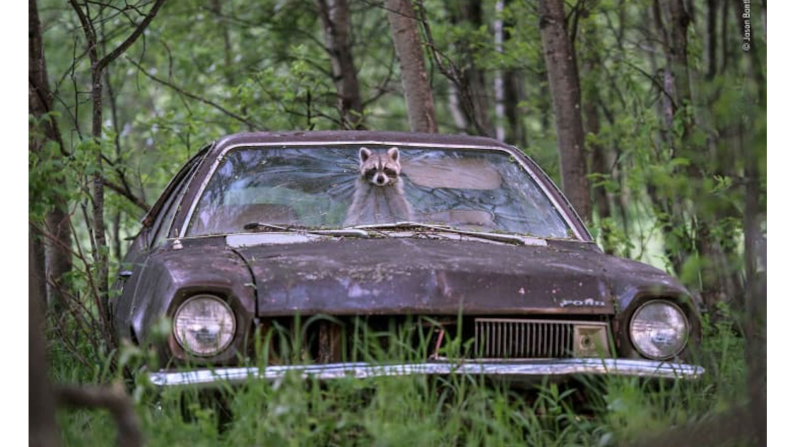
<point>348,186</point>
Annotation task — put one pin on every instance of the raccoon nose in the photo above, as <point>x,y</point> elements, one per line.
<point>380,179</point>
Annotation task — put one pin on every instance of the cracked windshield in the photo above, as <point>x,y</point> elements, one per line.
<point>339,187</point>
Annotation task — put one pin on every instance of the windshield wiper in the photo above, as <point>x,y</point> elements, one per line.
<point>264,227</point>
<point>507,238</point>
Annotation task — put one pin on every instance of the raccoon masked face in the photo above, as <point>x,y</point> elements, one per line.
<point>380,169</point>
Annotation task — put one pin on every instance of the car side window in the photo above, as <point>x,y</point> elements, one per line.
<point>166,219</point>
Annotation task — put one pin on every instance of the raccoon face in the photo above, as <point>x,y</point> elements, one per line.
<point>380,169</point>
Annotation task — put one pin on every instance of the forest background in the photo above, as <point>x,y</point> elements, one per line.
<point>651,114</point>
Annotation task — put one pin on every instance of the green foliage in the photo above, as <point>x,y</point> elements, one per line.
<point>455,410</point>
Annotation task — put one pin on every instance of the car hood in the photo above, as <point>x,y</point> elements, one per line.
<point>442,277</point>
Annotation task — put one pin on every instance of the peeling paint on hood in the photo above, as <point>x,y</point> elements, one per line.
<point>420,276</point>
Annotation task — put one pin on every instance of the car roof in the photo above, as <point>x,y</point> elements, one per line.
<point>355,136</point>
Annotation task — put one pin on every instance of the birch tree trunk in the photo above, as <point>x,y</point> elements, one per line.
<point>499,80</point>
<point>413,75</point>
<point>454,104</point>
<point>565,91</point>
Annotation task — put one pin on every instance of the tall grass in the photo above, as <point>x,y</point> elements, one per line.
<point>419,410</point>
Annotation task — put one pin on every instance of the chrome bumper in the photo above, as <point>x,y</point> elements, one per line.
<point>522,371</point>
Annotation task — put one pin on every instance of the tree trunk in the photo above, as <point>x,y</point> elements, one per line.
<point>544,101</point>
<point>618,202</point>
<point>590,91</point>
<point>668,215</point>
<point>42,428</point>
<point>59,261</point>
<point>691,10</point>
<point>473,88</point>
<point>565,90</point>
<point>515,133</point>
<point>598,159</point>
<point>724,34</point>
<point>597,151</point>
<point>37,271</point>
<point>59,258</point>
<point>667,104</point>
<point>710,254</point>
<point>336,18</point>
<point>711,51</point>
<point>763,4</point>
<point>100,244</point>
<point>413,76</point>
<point>459,118</point>
<point>677,56</point>
<point>755,294</point>
<point>98,209</point>
<point>707,118</point>
<point>117,252</point>
<point>114,115</point>
<point>513,82</point>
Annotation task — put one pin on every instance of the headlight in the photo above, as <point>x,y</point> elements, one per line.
<point>658,329</point>
<point>204,325</point>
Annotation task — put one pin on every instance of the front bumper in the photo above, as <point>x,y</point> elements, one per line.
<point>515,371</point>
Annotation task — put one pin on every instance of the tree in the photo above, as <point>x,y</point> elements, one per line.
<point>468,92</point>
<point>564,87</point>
<point>599,169</point>
<point>413,75</point>
<point>468,78</point>
<point>58,261</point>
<point>43,431</point>
<point>513,84</point>
<point>98,66</point>
<point>335,17</point>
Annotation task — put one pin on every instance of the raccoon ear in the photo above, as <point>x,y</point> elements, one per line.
<point>394,153</point>
<point>364,154</point>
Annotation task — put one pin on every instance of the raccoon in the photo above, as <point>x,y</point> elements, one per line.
<point>379,196</point>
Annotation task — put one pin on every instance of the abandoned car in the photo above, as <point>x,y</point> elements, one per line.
<point>335,254</point>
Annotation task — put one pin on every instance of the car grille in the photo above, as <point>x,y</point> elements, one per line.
<point>500,338</point>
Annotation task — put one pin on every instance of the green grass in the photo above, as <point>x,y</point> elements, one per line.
<point>456,410</point>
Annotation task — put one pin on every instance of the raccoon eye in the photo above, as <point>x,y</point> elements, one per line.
<point>390,172</point>
<point>370,172</point>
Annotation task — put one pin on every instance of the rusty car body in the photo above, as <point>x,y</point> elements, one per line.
<point>246,243</point>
